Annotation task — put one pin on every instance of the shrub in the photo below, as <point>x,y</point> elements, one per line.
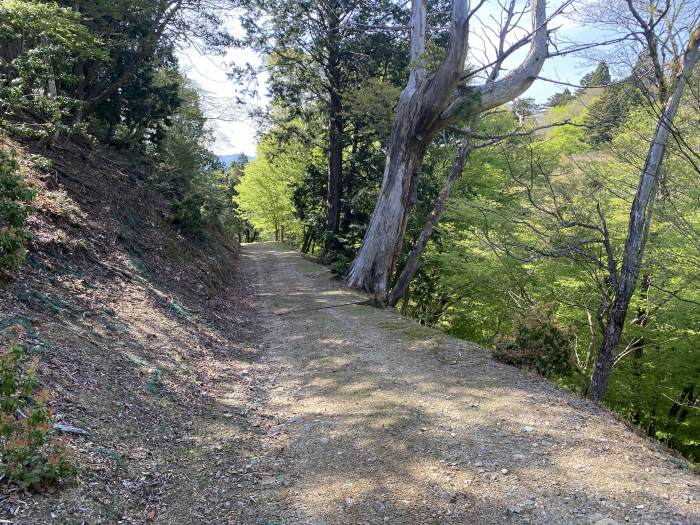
<point>30,455</point>
<point>339,264</point>
<point>539,342</point>
<point>14,197</point>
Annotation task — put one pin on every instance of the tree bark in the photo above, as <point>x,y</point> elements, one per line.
<point>409,270</point>
<point>416,123</point>
<point>625,281</point>
<point>335,129</point>
<point>426,106</point>
<point>406,298</point>
<point>306,241</point>
<point>349,179</point>
<point>638,346</point>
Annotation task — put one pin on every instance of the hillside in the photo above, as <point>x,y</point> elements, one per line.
<point>215,388</point>
<point>135,326</point>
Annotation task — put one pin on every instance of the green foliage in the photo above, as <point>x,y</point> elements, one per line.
<point>43,44</point>
<point>329,84</point>
<point>266,190</point>
<point>600,76</point>
<point>500,248</point>
<point>560,99</point>
<point>339,264</point>
<point>30,455</point>
<point>540,343</point>
<point>192,176</point>
<point>610,110</point>
<point>15,196</point>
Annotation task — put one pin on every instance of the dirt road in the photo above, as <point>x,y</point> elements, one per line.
<point>370,418</point>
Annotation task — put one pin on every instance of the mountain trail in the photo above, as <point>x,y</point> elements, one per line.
<point>371,418</point>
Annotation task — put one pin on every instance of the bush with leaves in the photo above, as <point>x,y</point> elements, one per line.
<point>15,196</point>
<point>43,44</point>
<point>30,455</point>
<point>540,343</point>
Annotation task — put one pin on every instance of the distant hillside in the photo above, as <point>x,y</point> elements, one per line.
<point>227,160</point>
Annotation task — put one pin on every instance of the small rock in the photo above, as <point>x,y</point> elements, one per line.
<point>605,521</point>
<point>529,429</point>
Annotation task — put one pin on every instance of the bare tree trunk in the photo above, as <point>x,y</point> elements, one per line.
<point>412,263</point>
<point>416,123</point>
<point>640,219</point>
<point>427,105</point>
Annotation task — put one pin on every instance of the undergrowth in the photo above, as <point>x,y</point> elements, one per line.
<point>539,342</point>
<point>31,456</point>
<point>15,197</point>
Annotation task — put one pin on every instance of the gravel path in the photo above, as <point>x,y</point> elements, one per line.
<point>370,418</point>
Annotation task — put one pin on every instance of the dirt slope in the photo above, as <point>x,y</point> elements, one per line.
<point>136,326</point>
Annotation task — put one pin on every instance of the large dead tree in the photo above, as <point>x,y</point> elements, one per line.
<point>428,104</point>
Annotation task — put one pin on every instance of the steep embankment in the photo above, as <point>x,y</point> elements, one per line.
<point>135,326</point>
<point>254,393</point>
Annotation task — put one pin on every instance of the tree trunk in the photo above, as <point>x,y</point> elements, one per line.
<point>335,124</point>
<point>51,81</point>
<point>416,123</point>
<point>640,219</point>
<point>306,241</point>
<point>349,179</point>
<point>637,347</point>
<point>606,355</point>
<point>427,105</point>
<point>412,263</point>
<point>406,298</point>
<point>335,165</point>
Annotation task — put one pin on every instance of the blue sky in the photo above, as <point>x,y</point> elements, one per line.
<point>234,132</point>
